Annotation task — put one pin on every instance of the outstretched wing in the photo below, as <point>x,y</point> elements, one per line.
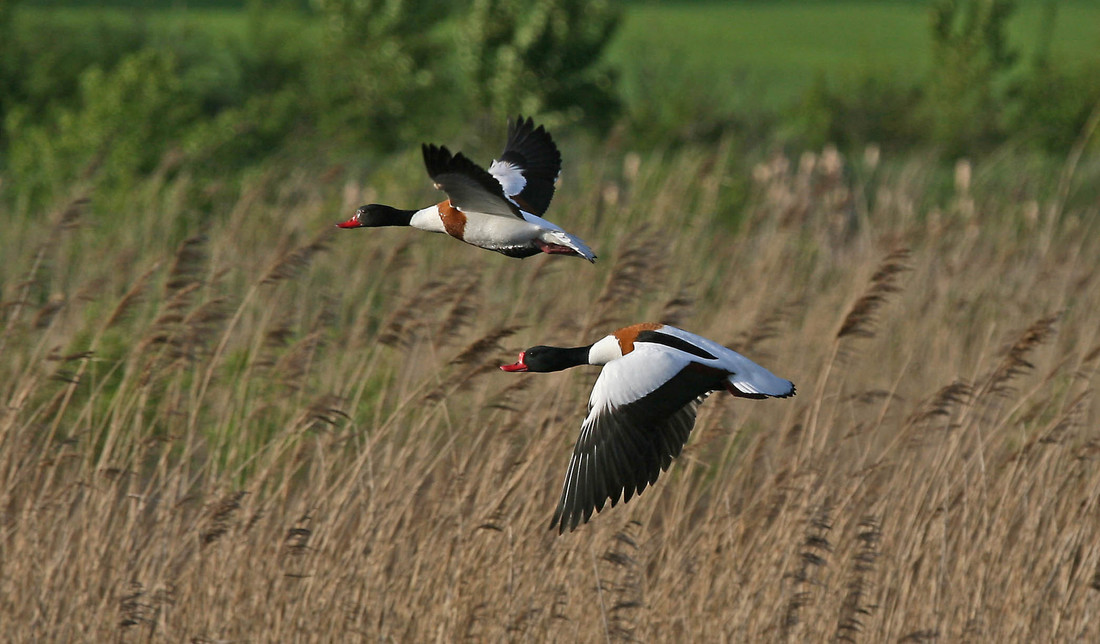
<point>529,166</point>
<point>469,187</point>
<point>641,412</point>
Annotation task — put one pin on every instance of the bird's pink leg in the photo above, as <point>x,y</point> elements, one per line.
<point>554,249</point>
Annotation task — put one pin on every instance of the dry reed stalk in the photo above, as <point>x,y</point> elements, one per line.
<point>764,328</point>
<point>1065,181</point>
<point>283,268</point>
<point>463,308</point>
<point>398,330</point>
<point>679,308</point>
<point>1015,362</point>
<point>858,323</point>
<point>295,364</point>
<point>16,306</point>
<point>638,270</point>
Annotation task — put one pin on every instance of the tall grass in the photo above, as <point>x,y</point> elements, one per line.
<point>264,430</point>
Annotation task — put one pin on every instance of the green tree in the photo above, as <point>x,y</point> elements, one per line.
<point>544,56</point>
<point>971,62</point>
<point>384,70</point>
<point>121,128</point>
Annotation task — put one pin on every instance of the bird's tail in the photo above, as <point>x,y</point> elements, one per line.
<point>562,238</point>
<point>760,383</point>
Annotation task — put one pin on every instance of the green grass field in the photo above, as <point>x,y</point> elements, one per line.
<point>773,50</point>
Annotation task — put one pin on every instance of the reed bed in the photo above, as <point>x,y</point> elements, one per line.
<point>259,429</point>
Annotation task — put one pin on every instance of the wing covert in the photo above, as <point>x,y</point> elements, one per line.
<point>470,187</point>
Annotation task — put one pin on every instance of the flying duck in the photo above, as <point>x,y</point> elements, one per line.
<point>498,209</point>
<point>642,407</point>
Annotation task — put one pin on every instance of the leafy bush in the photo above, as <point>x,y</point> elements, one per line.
<point>1053,105</point>
<point>382,78</point>
<point>969,86</point>
<point>114,132</point>
<point>852,113</point>
<point>542,57</point>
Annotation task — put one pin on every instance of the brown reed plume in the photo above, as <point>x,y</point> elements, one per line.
<point>133,296</point>
<point>815,549</point>
<point>463,308</point>
<point>639,269</point>
<point>189,264</point>
<point>622,583</point>
<point>68,216</point>
<point>219,516</point>
<point>201,326</point>
<point>293,367</point>
<point>859,321</point>
<point>678,309</point>
<point>403,320</point>
<point>292,262</point>
<point>481,358</point>
<point>855,610</point>
<point>485,347</point>
<point>1015,362</point>
<point>764,328</point>
<point>942,404</point>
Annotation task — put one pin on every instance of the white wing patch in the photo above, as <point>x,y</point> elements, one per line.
<point>631,377</point>
<point>510,177</point>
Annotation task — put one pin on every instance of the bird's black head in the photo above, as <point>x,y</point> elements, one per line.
<point>544,359</point>
<point>376,214</point>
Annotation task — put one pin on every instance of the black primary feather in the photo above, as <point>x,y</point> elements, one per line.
<point>624,450</point>
<point>469,186</point>
<point>533,150</point>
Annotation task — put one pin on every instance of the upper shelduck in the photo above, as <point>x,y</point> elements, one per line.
<point>498,209</point>
<point>642,407</point>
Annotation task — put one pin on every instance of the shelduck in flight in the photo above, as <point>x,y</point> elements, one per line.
<point>642,407</point>
<point>500,209</point>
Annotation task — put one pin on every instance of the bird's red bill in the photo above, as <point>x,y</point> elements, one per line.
<point>518,366</point>
<point>351,223</point>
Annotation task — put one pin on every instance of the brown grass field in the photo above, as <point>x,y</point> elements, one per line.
<point>277,431</point>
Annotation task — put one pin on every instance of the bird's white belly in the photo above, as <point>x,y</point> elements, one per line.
<point>491,231</point>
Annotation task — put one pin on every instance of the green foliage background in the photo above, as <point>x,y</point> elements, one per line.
<point>108,96</point>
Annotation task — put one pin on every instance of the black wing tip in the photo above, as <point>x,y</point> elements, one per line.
<point>521,126</point>
<point>559,522</point>
<point>437,158</point>
<point>522,130</point>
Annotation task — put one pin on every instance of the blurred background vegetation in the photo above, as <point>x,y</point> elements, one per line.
<point>107,93</point>
<point>222,419</point>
